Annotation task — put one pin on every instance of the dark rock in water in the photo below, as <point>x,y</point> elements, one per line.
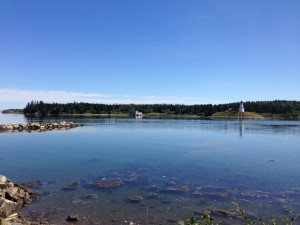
<point>280,200</point>
<point>154,188</point>
<point>135,198</point>
<point>183,188</point>
<point>108,183</point>
<point>290,193</point>
<point>172,183</point>
<point>31,184</point>
<point>213,189</point>
<point>171,221</point>
<point>73,218</point>
<point>175,190</point>
<point>224,212</point>
<point>204,210</point>
<point>71,187</point>
<point>220,194</point>
<point>218,212</point>
<point>256,194</point>
<point>91,196</point>
<point>115,179</point>
<point>197,192</point>
<point>152,195</point>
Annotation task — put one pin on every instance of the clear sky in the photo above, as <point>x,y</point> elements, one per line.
<point>149,51</point>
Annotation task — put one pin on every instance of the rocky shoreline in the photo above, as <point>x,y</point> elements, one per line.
<point>42,126</point>
<point>12,198</point>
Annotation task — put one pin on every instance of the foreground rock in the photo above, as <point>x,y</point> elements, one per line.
<point>43,126</point>
<point>12,198</point>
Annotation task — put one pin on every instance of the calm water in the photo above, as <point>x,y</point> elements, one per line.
<point>177,166</point>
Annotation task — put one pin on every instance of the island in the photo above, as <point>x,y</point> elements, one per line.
<point>277,109</point>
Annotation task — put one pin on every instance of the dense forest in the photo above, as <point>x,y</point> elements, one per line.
<point>291,108</point>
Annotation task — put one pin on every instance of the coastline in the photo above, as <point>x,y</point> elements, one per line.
<point>172,116</point>
<point>168,116</point>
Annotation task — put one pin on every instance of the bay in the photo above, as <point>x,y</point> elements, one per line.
<point>178,166</point>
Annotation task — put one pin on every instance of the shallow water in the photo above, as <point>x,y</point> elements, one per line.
<point>177,166</point>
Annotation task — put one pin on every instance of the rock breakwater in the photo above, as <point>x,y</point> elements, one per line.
<point>43,126</point>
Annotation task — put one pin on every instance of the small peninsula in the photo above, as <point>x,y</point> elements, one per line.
<point>13,111</point>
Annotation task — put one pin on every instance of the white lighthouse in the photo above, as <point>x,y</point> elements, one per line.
<point>241,109</point>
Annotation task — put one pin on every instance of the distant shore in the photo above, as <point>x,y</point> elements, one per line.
<point>219,115</point>
<point>13,111</point>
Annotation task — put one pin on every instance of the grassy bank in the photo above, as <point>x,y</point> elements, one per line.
<point>237,115</point>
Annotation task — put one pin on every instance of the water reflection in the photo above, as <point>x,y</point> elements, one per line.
<point>241,127</point>
<point>12,118</point>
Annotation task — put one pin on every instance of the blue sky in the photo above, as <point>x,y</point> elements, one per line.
<point>152,51</point>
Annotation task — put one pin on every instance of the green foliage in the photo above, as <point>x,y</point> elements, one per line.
<point>205,219</point>
<point>244,216</point>
<point>263,221</point>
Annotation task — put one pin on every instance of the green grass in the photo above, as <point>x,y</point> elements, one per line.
<point>237,115</point>
<point>172,115</point>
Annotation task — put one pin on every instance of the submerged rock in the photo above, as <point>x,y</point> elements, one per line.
<point>218,212</point>
<point>71,187</point>
<point>135,198</point>
<point>115,179</point>
<point>256,194</point>
<point>31,184</point>
<point>220,194</point>
<point>151,195</point>
<point>197,192</point>
<point>175,190</point>
<point>108,182</point>
<point>73,218</point>
<point>224,212</point>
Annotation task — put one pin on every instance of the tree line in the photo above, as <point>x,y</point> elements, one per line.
<point>268,107</point>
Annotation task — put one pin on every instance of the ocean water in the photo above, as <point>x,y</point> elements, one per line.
<point>179,168</point>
